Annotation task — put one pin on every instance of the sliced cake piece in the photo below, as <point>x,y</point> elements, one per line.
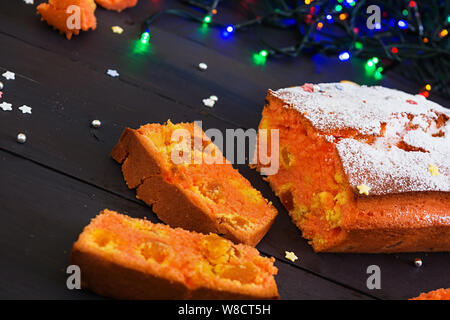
<point>362,169</point>
<point>126,258</point>
<point>61,15</point>
<point>117,5</point>
<point>188,192</point>
<point>439,294</point>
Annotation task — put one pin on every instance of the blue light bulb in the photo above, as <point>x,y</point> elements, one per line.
<point>344,56</point>
<point>402,24</point>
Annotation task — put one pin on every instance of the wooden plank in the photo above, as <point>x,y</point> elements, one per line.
<point>53,75</point>
<point>39,228</point>
<point>60,138</point>
<point>240,85</point>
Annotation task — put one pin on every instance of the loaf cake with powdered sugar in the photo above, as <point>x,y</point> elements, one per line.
<point>362,169</point>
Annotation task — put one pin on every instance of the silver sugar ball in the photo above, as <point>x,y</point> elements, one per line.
<point>96,124</point>
<point>1,85</point>
<point>202,66</point>
<point>21,138</point>
<point>418,262</point>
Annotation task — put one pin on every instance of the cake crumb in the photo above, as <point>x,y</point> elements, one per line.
<point>363,189</point>
<point>433,170</point>
<point>290,256</point>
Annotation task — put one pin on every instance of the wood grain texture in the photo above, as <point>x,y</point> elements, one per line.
<point>69,164</point>
<point>37,235</point>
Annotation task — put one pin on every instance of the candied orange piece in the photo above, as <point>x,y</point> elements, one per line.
<point>117,5</point>
<point>61,15</point>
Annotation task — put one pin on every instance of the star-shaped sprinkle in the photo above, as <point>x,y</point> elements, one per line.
<point>29,1</point>
<point>25,109</point>
<point>290,256</point>
<point>5,106</point>
<point>112,73</point>
<point>349,82</point>
<point>363,189</point>
<point>209,102</point>
<point>308,87</point>
<point>9,75</point>
<point>117,29</point>
<point>433,170</point>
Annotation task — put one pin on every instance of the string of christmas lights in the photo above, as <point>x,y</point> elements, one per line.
<point>411,36</point>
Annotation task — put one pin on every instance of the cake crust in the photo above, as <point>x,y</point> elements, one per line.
<point>143,168</point>
<point>362,183</point>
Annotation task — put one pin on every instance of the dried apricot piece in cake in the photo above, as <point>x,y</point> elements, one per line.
<point>362,169</point>
<point>69,16</point>
<point>117,5</point>
<point>439,294</point>
<point>128,258</point>
<point>192,192</point>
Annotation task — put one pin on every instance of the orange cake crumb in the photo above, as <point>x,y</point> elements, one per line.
<point>128,258</point>
<point>59,15</point>
<point>195,194</point>
<point>439,294</point>
<point>117,5</point>
<point>354,167</point>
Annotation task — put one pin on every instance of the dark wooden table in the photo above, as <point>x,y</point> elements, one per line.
<point>51,186</point>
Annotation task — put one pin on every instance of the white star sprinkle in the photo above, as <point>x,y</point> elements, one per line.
<point>209,102</point>
<point>5,106</point>
<point>112,73</point>
<point>25,109</point>
<point>9,75</point>
<point>29,1</point>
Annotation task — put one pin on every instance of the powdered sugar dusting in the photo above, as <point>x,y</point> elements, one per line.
<point>392,171</point>
<point>408,134</point>
<point>353,107</point>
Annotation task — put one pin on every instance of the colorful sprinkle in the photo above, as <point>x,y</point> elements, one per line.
<point>363,189</point>
<point>308,87</point>
<point>290,256</point>
<point>117,29</point>
<point>433,170</point>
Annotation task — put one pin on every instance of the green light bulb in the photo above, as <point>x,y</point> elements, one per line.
<point>405,12</point>
<point>145,37</point>
<point>207,19</point>
<point>263,53</point>
<point>358,45</point>
<point>375,60</point>
<point>378,76</point>
<point>338,8</point>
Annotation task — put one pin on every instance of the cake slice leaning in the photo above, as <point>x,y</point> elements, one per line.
<point>126,258</point>
<point>199,189</point>
<point>362,169</point>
